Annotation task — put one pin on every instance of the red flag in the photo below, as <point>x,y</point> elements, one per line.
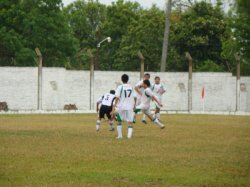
<point>203,93</point>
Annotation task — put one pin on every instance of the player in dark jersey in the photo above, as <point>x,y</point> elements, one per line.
<point>106,102</point>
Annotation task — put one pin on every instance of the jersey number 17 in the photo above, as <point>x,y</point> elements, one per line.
<point>127,93</point>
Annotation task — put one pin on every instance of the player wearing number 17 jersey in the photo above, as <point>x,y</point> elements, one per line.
<point>125,103</point>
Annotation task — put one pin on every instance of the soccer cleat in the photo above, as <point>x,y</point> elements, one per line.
<point>162,127</point>
<point>144,121</point>
<point>119,137</point>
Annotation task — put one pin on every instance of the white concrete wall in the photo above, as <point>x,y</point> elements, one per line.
<point>18,87</point>
<point>77,89</point>
<point>220,92</point>
<point>245,94</point>
<point>53,88</point>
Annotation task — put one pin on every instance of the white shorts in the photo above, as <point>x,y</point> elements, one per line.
<point>138,100</point>
<point>126,115</point>
<point>144,108</point>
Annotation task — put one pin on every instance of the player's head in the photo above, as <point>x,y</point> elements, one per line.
<point>157,80</point>
<point>112,92</point>
<point>146,76</point>
<point>125,78</point>
<point>146,84</point>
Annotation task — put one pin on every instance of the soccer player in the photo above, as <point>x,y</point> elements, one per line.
<point>158,90</point>
<point>145,103</point>
<point>106,102</point>
<point>125,102</point>
<point>139,90</point>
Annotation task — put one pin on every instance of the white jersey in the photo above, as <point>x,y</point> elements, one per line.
<point>139,85</point>
<point>126,95</point>
<point>107,99</point>
<point>146,97</point>
<point>158,90</point>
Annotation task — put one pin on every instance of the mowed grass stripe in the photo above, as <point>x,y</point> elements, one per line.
<point>65,150</point>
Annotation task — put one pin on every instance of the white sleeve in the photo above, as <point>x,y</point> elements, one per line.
<point>118,91</point>
<point>152,87</point>
<point>138,84</point>
<point>134,94</point>
<point>149,92</point>
<point>163,87</point>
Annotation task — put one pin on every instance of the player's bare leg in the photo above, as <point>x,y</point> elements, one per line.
<point>144,119</point>
<point>119,126</point>
<point>111,128</point>
<point>154,119</point>
<point>157,113</point>
<point>98,123</point>
<point>111,123</point>
<point>130,130</point>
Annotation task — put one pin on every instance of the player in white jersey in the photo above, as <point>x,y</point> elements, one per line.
<point>106,102</point>
<point>125,102</point>
<point>158,90</point>
<point>146,98</point>
<point>139,90</point>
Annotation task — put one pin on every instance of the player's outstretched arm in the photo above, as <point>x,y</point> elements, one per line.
<point>137,90</point>
<point>97,107</point>
<point>156,100</point>
<point>164,91</point>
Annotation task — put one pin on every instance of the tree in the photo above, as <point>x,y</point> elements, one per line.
<point>200,31</point>
<point>45,27</point>
<point>28,24</point>
<point>177,4</point>
<point>86,19</point>
<point>144,35</point>
<point>238,29</point>
<point>166,36</point>
<point>11,39</point>
<point>120,15</point>
<point>242,33</point>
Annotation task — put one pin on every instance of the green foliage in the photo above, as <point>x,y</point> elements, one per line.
<point>86,20</point>
<point>26,25</point>
<point>200,31</point>
<point>25,56</point>
<point>63,34</point>
<point>242,33</point>
<point>238,29</point>
<point>144,35</point>
<point>120,16</point>
<point>10,45</point>
<point>209,65</point>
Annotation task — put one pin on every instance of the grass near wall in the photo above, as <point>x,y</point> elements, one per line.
<point>65,150</point>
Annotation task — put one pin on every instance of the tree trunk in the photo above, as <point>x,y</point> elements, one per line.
<point>166,36</point>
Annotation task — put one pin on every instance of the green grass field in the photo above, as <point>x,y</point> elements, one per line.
<point>65,150</point>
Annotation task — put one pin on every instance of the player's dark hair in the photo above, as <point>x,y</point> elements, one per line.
<point>112,92</point>
<point>125,78</point>
<point>147,82</point>
<point>157,77</point>
<point>147,74</point>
